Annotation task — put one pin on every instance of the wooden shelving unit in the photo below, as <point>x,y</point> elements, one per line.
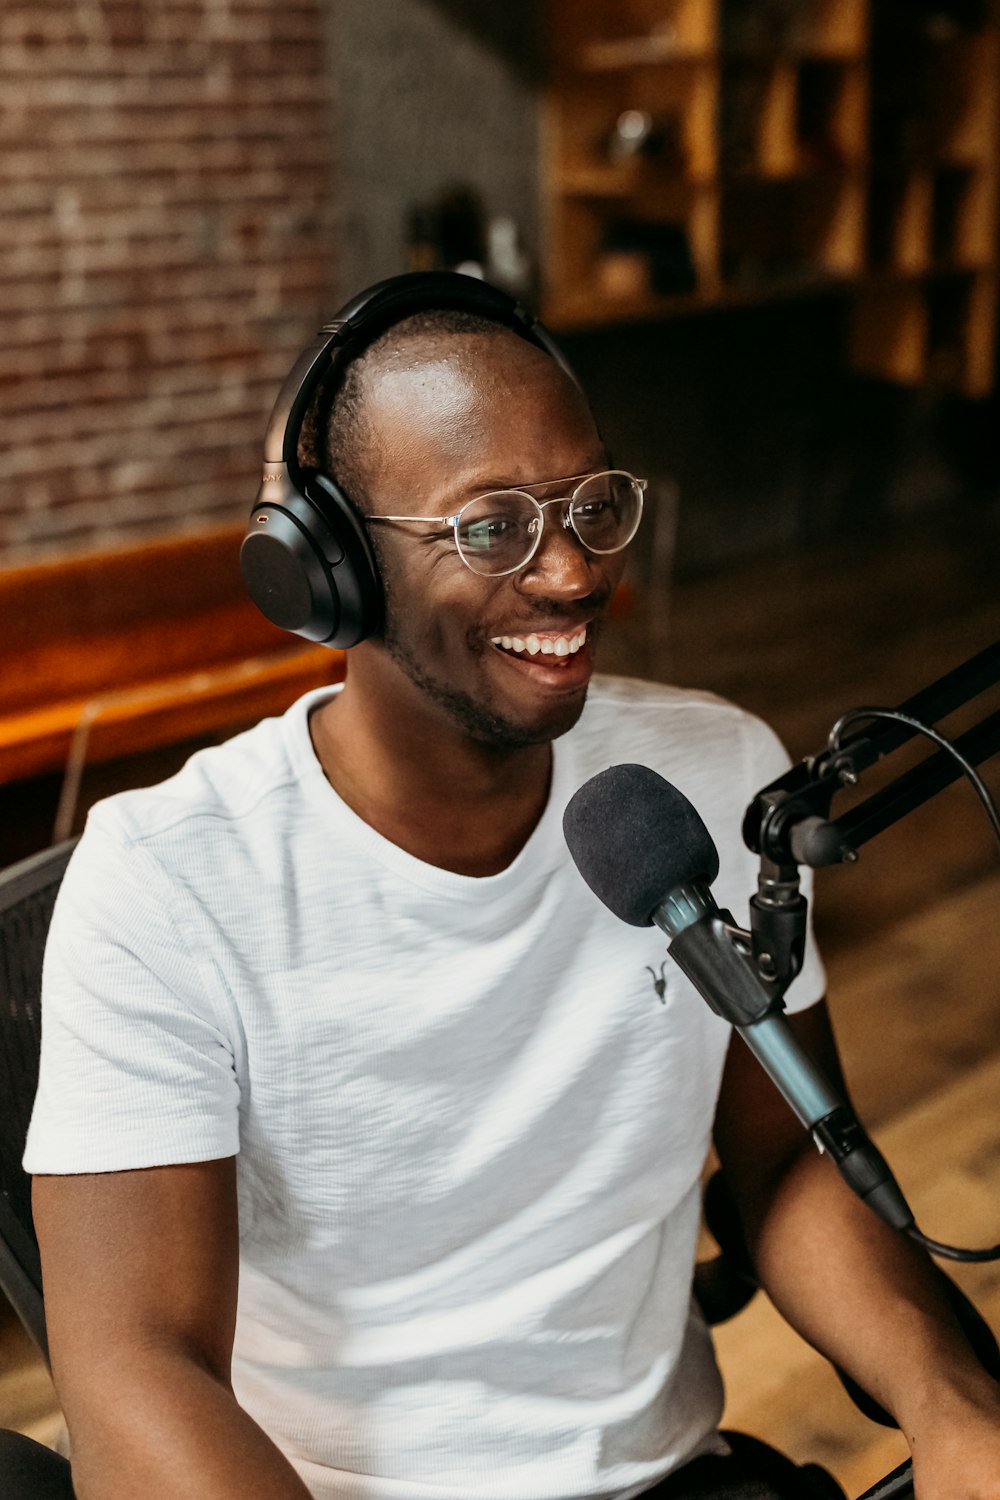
<point>703,153</point>
<point>927,312</point>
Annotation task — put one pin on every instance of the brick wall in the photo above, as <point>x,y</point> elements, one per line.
<point>165,180</point>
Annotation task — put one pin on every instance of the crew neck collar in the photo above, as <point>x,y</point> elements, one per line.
<point>544,848</point>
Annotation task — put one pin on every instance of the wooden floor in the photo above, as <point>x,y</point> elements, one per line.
<point>910,933</point>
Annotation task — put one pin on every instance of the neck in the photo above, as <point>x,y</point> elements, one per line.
<point>422,783</point>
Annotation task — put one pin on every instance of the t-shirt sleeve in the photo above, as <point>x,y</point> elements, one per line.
<point>137,1062</point>
<point>767,759</point>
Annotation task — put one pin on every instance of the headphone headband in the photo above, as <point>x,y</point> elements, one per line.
<point>365,317</point>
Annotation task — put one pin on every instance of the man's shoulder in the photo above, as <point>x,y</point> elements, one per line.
<point>624,704</point>
<point>219,785</point>
<point>692,737</point>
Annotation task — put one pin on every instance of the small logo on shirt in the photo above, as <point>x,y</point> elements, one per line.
<point>659,984</point>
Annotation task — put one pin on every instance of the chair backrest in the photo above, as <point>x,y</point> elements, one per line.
<point>27,896</point>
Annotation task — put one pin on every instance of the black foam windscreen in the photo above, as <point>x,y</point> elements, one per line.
<point>635,838</point>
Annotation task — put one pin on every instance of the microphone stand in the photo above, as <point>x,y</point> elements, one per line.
<point>788,824</point>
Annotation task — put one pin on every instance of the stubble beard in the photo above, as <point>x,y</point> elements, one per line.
<point>475,718</point>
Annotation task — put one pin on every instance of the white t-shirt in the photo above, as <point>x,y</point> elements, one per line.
<point>469,1132</point>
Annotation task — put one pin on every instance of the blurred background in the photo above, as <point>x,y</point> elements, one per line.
<point>765,233</point>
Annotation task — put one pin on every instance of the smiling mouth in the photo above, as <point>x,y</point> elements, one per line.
<point>552,645</point>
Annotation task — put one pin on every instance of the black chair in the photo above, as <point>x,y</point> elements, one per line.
<point>27,897</point>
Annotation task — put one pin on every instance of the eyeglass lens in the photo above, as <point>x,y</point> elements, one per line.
<point>498,533</point>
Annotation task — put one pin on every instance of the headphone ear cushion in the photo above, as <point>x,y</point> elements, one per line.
<point>354,575</point>
<point>308,566</point>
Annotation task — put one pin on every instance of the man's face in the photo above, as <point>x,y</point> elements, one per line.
<point>464,416</point>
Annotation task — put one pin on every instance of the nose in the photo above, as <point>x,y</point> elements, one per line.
<point>562,567</point>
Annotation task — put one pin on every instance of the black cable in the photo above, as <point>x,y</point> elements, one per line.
<point>935,1247</point>
<point>951,1252</point>
<point>978,785</point>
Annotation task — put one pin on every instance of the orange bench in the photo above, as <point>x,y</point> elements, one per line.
<point>109,653</point>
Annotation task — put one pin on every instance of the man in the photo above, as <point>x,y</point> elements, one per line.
<point>368,1153</point>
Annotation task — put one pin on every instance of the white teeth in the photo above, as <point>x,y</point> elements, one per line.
<point>532,644</point>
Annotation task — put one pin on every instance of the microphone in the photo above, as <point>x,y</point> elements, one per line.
<point>644,851</point>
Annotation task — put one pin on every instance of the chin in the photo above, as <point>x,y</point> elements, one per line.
<point>504,734</point>
<point>490,723</point>
<point>501,731</point>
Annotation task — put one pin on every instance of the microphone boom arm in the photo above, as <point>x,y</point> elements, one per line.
<point>788,821</point>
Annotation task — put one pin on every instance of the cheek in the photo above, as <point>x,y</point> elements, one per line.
<point>434,601</point>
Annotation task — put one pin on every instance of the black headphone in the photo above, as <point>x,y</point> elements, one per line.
<point>306,559</point>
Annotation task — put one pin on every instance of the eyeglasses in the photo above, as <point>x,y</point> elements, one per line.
<point>501,531</point>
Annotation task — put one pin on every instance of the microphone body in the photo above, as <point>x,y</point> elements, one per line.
<point>633,801</point>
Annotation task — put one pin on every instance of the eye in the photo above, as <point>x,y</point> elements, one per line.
<point>596,509</point>
<point>485,533</point>
<point>605,501</point>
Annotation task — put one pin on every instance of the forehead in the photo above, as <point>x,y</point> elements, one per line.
<point>491,406</point>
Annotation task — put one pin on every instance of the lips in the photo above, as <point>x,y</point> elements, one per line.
<point>551,660</point>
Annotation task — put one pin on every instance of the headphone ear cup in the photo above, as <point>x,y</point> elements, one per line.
<point>313,576</point>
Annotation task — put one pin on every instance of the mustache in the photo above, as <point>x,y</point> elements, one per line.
<point>586,611</point>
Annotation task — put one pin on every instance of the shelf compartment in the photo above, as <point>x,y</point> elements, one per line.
<point>960,309</point>
<point>899,217</point>
<point>656,247</point>
<point>831,113</point>
<point>934,101</point>
<point>960,86</point>
<point>936,330</point>
<point>948,313</point>
<point>776,234</point>
<point>756,123</point>
<point>620,34</point>
<point>795,28</point>
<point>888,334</point>
<point>962,218</point>
<point>787,118</point>
<point>980,358</point>
<point>587,126</point>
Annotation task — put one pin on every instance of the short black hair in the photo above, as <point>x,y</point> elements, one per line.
<point>333,436</point>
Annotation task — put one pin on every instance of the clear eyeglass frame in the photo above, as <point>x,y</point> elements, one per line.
<point>585,493</point>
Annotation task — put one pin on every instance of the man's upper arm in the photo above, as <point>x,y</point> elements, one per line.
<point>138,1063</point>
<point>135,1263</point>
